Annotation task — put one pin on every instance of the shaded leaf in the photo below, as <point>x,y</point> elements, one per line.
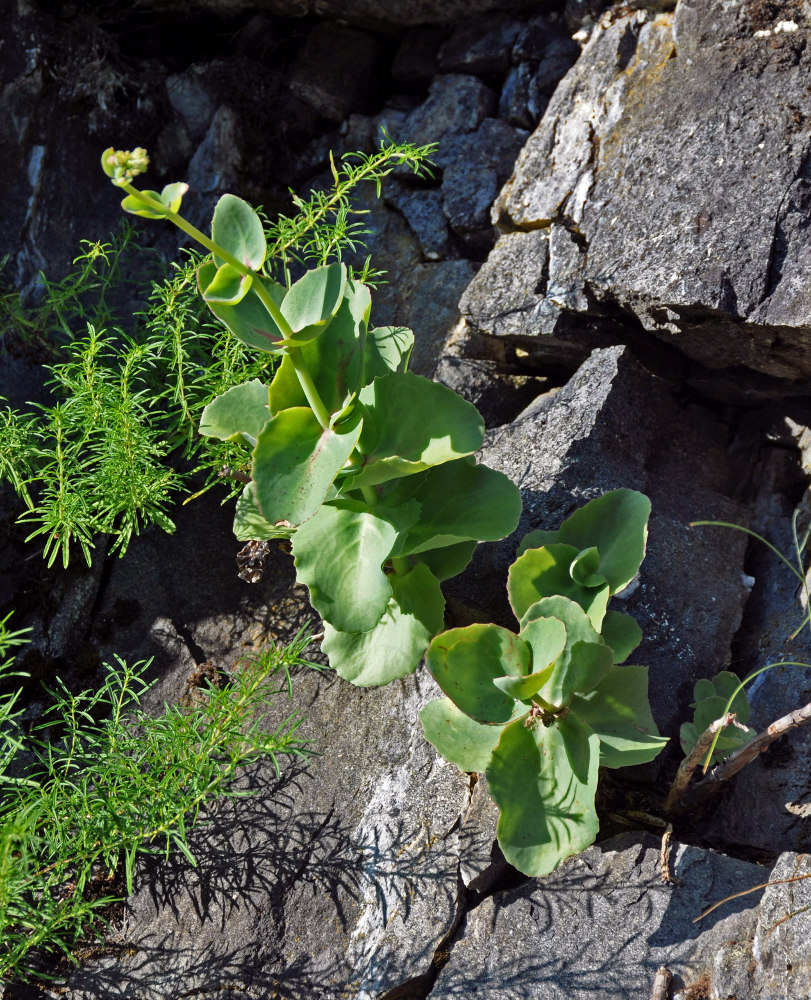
<point>465,661</point>
<point>536,539</point>
<point>395,646</point>
<point>242,409</point>
<point>411,424</point>
<point>448,561</point>
<point>546,811</point>
<point>249,522</point>
<point>617,525</point>
<point>618,711</point>
<point>248,319</point>
<point>622,634</point>
<point>457,737</point>
<point>545,572</point>
<point>387,349</point>
<point>314,299</point>
<point>462,500</point>
<point>227,286</point>
<point>339,555</point>
<point>295,462</point>
<point>238,230</point>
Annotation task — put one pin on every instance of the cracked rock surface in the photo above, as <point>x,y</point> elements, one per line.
<point>676,153</point>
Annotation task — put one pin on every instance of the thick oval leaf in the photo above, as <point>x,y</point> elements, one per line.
<point>546,637</point>
<point>134,206</point>
<point>618,711</point>
<point>545,572</point>
<point>584,569</point>
<point>546,809</point>
<point>228,286</point>
<point>448,561</point>
<point>462,500</point>
<point>522,688</point>
<point>250,525</point>
<point>617,525</point>
<point>339,555</point>
<point>314,299</point>
<point>285,389</point>
<point>335,358</point>
<point>238,230</point>
<point>240,410</point>
<point>465,661</point>
<point>295,462</point>
<point>457,737</point>
<point>726,684</point>
<point>172,195</point>
<point>411,424</point>
<point>535,540</point>
<point>387,349</point>
<point>248,319</point>
<point>586,658</point>
<point>395,646</point>
<point>622,634</point>
<point>708,710</point>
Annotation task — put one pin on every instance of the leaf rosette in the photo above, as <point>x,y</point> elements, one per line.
<point>539,711</point>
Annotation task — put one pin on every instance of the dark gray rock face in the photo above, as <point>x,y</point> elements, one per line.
<point>588,438</point>
<point>604,922</point>
<point>679,163</point>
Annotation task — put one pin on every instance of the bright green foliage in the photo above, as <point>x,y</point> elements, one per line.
<point>540,711</point>
<point>368,467</point>
<point>80,799</point>
<point>711,700</point>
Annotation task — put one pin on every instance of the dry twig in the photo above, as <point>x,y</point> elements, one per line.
<point>661,984</point>
<point>730,767</point>
<point>691,762</point>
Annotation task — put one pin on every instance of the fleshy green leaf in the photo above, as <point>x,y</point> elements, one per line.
<point>462,500</point>
<point>708,710</point>
<point>546,808</point>
<point>395,646</point>
<point>546,637</point>
<point>584,569</point>
<point>388,349</point>
<point>522,688</point>
<point>238,230</point>
<point>465,661</point>
<point>704,689</point>
<point>724,684</point>
<point>411,424</point>
<point>545,572</point>
<point>248,320</point>
<point>295,462</point>
<point>339,555</point>
<point>335,358</point>
<point>285,388</point>
<point>134,206</point>
<point>618,711</point>
<point>457,737</point>
<point>535,540</point>
<point>228,286</point>
<point>249,524</point>
<point>314,299</point>
<point>622,634</point>
<point>617,525</point>
<point>172,195</point>
<point>586,658</point>
<point>240,410</point>
<point>448,561</point>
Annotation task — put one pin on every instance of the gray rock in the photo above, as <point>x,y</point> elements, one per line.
<point>191,98</point>
<point>591,437</point>
<point>455,104</point>
<point>333,880</point>
<point>422,210</point>
<point>768,805</point>
<point>417,60</point>
<point>339,71</point>
<point>691,216</point>
<point>498,391</point>
<point>474,165</point>
<point>534,38</point>
<point>603,923</point>
<point>480,46</point>
<point>513,104</point>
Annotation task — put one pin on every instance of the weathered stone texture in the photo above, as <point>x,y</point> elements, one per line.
<point>675,151</point>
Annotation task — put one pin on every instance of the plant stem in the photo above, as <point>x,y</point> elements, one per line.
<point>401,565</point>
<point>305,380</point>
<point>308,386</point>
<point>369,494</point>
<point>692,760</point>
<point>747,753</point>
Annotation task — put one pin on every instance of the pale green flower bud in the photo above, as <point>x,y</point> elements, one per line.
<point>122,165</point>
